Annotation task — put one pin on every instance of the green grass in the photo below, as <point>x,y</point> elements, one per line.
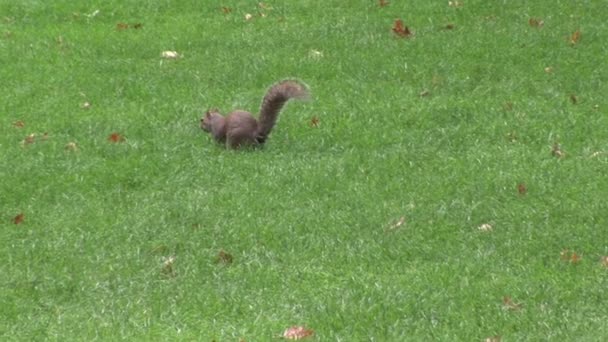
<point>308,218</point>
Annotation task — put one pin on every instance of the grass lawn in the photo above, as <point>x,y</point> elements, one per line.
<point>455,187</point>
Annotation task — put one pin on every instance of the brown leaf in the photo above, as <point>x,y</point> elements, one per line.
<point>535,22</point>
<point>604,261</point>
<point>449,26</point>
<point>297,333</point>
<point>226,10</point>
<point>314,122</point>
<point>521,188</point>
<point>556,151</point>
<point>30,139</point>
<point>116,138</point>
<point>397,223</point>
<point>509,304</point>
<point>575,258</point>
<point>224,257</point>
<point>575,37</point>
<point>138,26</point>
<point>401,30</point>
<point>19,218</point>
<point>122,26</point>
<point>71,146</point>
<point>564,255</point>
<point>486,227</point>
<point>573,99</point>
<point>19,124</point>
<point>383,3</point>
<point>167,266</point>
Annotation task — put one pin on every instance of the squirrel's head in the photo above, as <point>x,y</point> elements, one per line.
<point>207,119</point>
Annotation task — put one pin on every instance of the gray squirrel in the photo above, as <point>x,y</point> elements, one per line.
<point>239,128</point>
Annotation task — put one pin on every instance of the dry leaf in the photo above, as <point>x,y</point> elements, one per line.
<point>397,223</point>
<point>604,260</point>
<point>495,338</point>
<point>315,54</point>
<point>122,26</point>
<point>521,188</point>
<point>30,139</point>
<point>224,258</point>
<point>226,10</point>
<point>116,138</point>
<point>509,304</point>
<point>486,227</point>
<point>556,151</point>
<point>383,3</point>
<point>45,136</point>
<point>401,30</point>
<point>167,266</point>
<point>575,37</point>
<point>71,146</point>
<point>573,99</point>
<point>170,54</point>
<point>564,255</point>
<point>549,70</point>
<point>297,332</point>
<point>86,105</point>
<point>534,22</point>
<point>138,26</point>
<point>248,16</point>
<point>19,218</point>
<point>455,3</point>
<point>19,124</point>
<point>575,258</point>
<point>424,93</point>
<point>449,27</point>
<point>314,122</point>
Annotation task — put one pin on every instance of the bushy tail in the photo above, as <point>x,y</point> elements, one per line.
<point>273,102</point>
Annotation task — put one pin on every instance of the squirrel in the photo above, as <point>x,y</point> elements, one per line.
<point>239,128</point>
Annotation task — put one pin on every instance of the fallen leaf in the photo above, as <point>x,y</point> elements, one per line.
<point>424,93</point>
<point>486,227</point>
<point>314,122</point>
<point>170,54</point>
<point>19,218</point>
<point>495,338</point>
<point>564,255</point>
<point>521,188</point>
<point>548,69</point>
<point>30,139</point>
<point>167,266</point>
<point>226,10</point>
<point>534,22</point>
<point>315,54</point>
<point>604,260</point>
<point>71,146</point>
<point>122,26</point>
<point>573,99</point>
<point>397,223</point>
<point>138,26</point>
<point>509,304</point>
<point>575,37</point>
<point>45,136</point>
<point>19,124</point>
<point>449,27</point>
<point>86,105</point>
<point>455,3</point>
<point>401,30</point>
<point>556,151</point>
<point>224,258</point>
<point>297,332</point>
<point>383,3</point>
<point>575,258</point>
<point>116,138</point>
<point>248,16</point>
